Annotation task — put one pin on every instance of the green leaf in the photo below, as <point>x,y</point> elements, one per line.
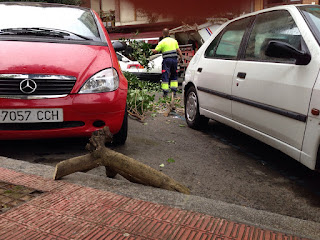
<point>171,160</point>
<point>161,165</point>
<point>181,125</point>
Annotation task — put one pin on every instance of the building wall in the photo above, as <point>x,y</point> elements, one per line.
<point>125,12</point>
<point>259,4</point>
<point>85,3</point>
<point>108,5</point>
<point>310,1</point>
<point>95,5</point>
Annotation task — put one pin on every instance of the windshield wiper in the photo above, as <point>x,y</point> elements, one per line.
<point>31,31</point>
<point>68,33</point>
<point>40,32</point>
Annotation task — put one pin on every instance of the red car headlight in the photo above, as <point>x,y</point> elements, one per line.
<point>106,80</point>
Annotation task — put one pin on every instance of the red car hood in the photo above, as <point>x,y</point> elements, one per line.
<point>80,61</point>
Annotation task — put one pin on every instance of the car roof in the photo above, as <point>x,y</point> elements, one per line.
<point>284,7</point>
<point>42,4</point>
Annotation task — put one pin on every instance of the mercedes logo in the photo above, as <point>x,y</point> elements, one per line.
<point>28,86</point>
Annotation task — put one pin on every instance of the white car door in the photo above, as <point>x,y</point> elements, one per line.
<point>216,68</point>
<point>272,95</point>
<point>123,61</point>
<point>155,64</point>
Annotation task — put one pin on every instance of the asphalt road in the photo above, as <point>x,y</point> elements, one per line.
<point>218,163</point>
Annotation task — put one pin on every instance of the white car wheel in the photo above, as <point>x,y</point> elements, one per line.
<point>193,117</point>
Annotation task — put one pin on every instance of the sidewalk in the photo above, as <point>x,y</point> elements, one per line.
<point>71,211</point>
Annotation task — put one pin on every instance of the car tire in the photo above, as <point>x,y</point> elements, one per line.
<point>121,137</point>
<point>192,114</point>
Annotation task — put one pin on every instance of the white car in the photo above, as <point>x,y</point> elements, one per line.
<point>260,75</point>
<point>152,74</point>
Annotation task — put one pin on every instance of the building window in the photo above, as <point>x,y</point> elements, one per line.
<point>272,3</point>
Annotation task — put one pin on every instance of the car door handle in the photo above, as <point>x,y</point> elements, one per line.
<point>241,75</point>
<point>199,70</point>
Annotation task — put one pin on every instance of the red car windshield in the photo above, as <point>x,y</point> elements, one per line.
<point>48,20</point>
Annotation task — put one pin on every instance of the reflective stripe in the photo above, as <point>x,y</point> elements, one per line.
<point>170,54</point>
<point>174,84</point>
<point>165,86</point>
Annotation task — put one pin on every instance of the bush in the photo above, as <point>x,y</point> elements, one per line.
<point>138,51</point>
<point>141,52</point>
<point>136,83</point>
<point>141,95</point>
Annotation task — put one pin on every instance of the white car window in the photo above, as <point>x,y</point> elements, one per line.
<point>209,53</point>
<point>229,44</point>
<point>312,15</point>
<point>276,25</point>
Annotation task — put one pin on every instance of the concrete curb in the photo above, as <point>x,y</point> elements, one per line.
<point>258,218</point>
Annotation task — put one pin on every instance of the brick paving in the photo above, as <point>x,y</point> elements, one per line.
<point>69,211</point>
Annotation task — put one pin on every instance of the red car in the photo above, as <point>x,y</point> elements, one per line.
<point>59,74</point>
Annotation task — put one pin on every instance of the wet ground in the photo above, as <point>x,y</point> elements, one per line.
<point>218,162</point>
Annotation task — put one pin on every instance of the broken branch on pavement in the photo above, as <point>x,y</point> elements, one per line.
<point>116,163</point>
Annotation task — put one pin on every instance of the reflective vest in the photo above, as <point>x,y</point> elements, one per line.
<point>168,47</point>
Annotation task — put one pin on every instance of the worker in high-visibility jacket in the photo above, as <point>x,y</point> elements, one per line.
<point>170,49</point>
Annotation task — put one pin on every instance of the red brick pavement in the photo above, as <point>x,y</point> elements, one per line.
<point>68,211</point>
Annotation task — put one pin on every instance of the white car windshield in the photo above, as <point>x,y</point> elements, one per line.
<point>74,21</point>
<point>312,15</point>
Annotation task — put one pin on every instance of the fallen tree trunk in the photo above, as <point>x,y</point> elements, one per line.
<point>115,162</point>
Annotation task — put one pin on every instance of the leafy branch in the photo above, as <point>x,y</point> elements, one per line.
<point>141,96</point>
<point>139,51</point>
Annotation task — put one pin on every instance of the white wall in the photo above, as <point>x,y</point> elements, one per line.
<point>108,5</point>
<point>95,5</point>
<point>127,12</point>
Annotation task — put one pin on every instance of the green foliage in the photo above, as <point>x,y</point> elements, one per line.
<point>167,101</point>
<point>141,95</point>
<point>141,52</point>
<point>171,160</point>
<point>135,83</point>
<point>139,101</point>
<point>67,2</point>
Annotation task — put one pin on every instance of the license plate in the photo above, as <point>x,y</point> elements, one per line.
<point>31,115</point>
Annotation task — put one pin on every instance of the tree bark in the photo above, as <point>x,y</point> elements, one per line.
<point>77,164</point>
<point>115,162</point>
